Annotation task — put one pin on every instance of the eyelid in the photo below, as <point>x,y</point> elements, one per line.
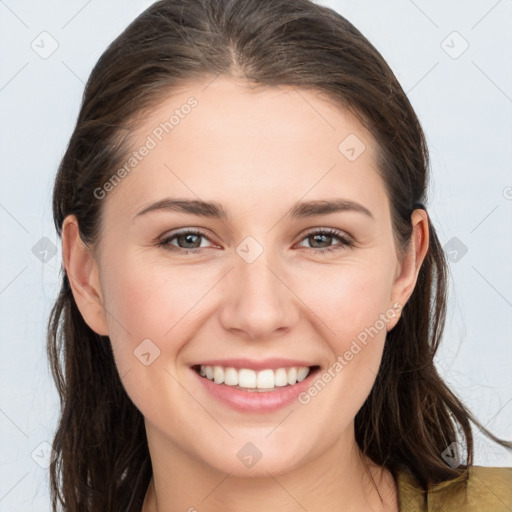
<point>164,239</point>
<point>347,240</point>
<point>331,231</point>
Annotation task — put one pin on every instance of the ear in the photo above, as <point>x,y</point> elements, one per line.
<point>408,269</point>
<point>82,272</point>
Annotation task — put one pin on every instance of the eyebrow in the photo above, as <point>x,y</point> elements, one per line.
<point>323,207</point>
<point>212,209</point>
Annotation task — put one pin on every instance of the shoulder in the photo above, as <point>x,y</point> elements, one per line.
<point>487,489</point>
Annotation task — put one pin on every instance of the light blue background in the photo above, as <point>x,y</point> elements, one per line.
<point>464,104</point>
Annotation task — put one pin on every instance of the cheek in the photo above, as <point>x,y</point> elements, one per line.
<point>149,317</point>
<point>147,302</point>
<point>150,300</point>
<point>354,309</point>
<point>349,298</point>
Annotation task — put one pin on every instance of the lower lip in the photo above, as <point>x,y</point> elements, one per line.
<point>256,401</point>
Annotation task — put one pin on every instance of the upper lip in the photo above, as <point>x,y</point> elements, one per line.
<point>252,364</point>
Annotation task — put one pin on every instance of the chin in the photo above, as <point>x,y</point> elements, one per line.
<point>256,454</point>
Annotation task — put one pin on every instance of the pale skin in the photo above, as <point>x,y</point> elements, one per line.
<point>257,153</point>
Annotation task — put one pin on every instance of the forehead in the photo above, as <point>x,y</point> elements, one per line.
<point>227,141</point>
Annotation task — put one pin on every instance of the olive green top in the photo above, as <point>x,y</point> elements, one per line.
<point>487,490</point>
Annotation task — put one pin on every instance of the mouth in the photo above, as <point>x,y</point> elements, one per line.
<point>255,387</point>
<point>251,380</point>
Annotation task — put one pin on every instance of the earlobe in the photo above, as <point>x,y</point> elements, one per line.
<point>409,268</point>
<point>82,272</point>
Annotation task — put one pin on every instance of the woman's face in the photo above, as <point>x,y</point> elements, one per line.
<point>280,278</point>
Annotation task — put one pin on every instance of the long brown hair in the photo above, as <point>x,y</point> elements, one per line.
<point>411,416</point>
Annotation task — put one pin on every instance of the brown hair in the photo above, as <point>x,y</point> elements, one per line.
<point>410,416</point>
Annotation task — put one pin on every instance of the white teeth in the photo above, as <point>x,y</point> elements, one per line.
<point>218,374</point>
<point>302,373</point>
<point>292,376</point>
<point>263,379</point>
<point>230,377</point>
<point>246,378</point>
<point>280,377</point>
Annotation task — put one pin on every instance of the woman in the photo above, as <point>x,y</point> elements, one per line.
<point>253,291</point>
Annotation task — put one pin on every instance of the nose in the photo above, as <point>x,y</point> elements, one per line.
<point>258,302</point>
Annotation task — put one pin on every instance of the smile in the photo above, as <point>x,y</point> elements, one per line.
<point>254,386</point>
<point>250,380</point>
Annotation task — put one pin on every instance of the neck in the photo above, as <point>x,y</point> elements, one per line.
<point>338,479</point>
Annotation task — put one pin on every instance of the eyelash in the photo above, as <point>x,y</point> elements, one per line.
<point>345,242</point>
